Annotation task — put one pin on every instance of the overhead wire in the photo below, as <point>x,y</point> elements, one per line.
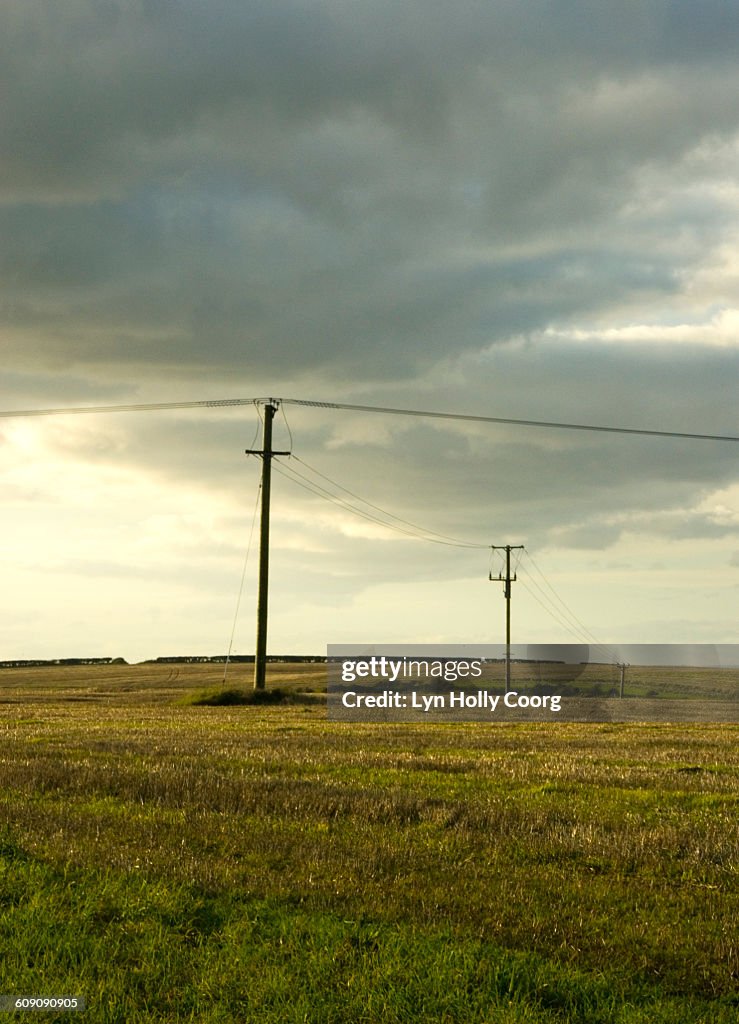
<point>408,529</point>
<point>577,634</point>
<point>260,422</point>
<point>317,490</point>
<point>552,611</point>
<point>214,403</point>
<point>289,431</point>
<point>564,619</point>
<point>412,529</point>
<point>431,533</point>
<point>241,587</point>
<point>557,597</point>
<point>544,601</point>
<point>383,410</point>
<point>562,612</point>
<point>466,417</point>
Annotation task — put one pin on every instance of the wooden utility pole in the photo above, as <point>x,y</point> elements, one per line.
<point>507,580</point>
<point>260,656</point>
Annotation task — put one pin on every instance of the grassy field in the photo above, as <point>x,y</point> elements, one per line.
<point>260,864</point>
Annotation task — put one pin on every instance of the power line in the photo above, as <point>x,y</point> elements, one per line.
<point>382,410</point>
<point>241,587</point>
<point>563,614</point>
<point>516,422</point>
<point>565,617</point>
<point>578,634</point>
<point>408,529</point>
<point>557,597</point>
<point>428,534</point>
<point>302,481</point>
<point>74,410</point>
<point>413,531</point>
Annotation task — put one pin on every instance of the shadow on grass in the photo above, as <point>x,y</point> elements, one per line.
<point>220,697</point>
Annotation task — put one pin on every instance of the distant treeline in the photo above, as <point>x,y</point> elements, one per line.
<point>245,659</point>
<point>216,659</point>
<point>37,662</point>
<point>321,658</point>
<point>183,659</point>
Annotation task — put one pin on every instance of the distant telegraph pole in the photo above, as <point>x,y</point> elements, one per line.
<point>507,580</point>
<point>623,666</point>
<point>266,452</point>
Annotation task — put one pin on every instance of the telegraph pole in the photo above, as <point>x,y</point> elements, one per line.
<point>266,452</point>
<point>507,580</point>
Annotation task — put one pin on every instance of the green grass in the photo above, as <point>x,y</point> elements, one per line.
<point>259,863</point>
<point>149,951</point>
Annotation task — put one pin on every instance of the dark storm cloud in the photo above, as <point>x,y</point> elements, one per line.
<point>242,186</point>
<point>422,200</point>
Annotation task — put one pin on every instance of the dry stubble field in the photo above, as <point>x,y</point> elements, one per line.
<point>259,863</point>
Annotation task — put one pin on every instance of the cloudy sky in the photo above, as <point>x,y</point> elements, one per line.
<point>524,210</point>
